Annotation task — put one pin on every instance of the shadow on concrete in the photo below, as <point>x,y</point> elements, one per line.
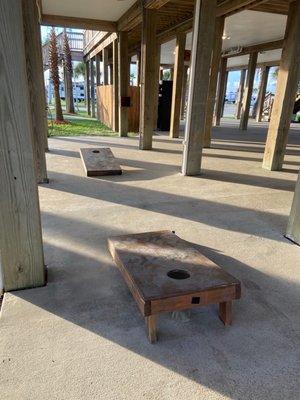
<point>198,210</point>
<point>254,359</point>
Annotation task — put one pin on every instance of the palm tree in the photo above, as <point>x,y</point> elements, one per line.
<point>68,74</point>
<point>54,74</point>
<point>79,70</point>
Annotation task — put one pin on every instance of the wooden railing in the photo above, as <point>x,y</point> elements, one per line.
<point>268,106</point>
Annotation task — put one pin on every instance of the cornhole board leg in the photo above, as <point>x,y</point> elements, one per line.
<point>225,312</point>
<point>151,328</point>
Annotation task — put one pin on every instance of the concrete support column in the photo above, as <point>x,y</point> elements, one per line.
<point>221,91</point>
<point>123,82</point>
<point>293,228</point>
<point>183,95</point>
<point>248,91</point>
<point>22,260</point>
<point>115,86</point>
<point>213,79</point>
<point>92,75</point>
<point>288,79</point>
<point>149,77</point>
<point>177,85</point>
<point>240,95</point>
<point>87,88</point>
<point>105,65</point>
<point>35,75</point>
<point>203,38</point>
<point>262,93</point>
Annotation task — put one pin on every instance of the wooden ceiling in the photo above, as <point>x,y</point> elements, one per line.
<point>273,6</point>
<point>179,13</point>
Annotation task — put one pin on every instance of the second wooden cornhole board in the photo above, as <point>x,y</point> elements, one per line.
<point>165,273</point>
<point>99,162</point>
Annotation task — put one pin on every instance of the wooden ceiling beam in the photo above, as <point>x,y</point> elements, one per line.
<point>258,65</point>
<point>274,45</point>
<point>229,7</point>
<point>131,18</point>
<point>78,23</point>
<point>155,4</point>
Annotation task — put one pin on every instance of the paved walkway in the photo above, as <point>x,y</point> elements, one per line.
<point>82,337</point>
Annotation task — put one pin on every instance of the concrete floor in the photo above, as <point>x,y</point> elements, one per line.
<point>82,336</point>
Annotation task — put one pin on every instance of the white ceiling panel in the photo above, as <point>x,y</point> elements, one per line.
<point>109,10</point>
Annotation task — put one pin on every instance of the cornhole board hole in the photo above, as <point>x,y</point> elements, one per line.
<point>99,162</point>
<point>165,273</point>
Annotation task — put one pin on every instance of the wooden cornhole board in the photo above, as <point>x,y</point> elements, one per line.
<point>99,162</point>
<point>165,273</point>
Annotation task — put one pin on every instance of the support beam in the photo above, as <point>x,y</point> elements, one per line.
<point>245,110</point>
<point>262,93</point>
<point>98,72</point>
<point>105,65</point>
<point>183,95</point>
<point>35,75</point>
<point>288,78</point>
<point>203,38</point>
<point>229,7</point>
<point>123,80</point>
<point>293,228</point>
<point>213,80</point>
<point>22,260</point>
<point>138,67</point>
<point>92,75</point>
<point>221,91</point>
<point>240,95</point>
<point>87,88</point>
<point>115,87</point>
<point>156,88</point>
<point>149,76</point>
<point>177,85</point>
<point>79,23</point>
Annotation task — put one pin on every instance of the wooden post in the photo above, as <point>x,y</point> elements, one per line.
<point>138,67</point>
<point>177,85</point>
<point>123,80</point>
<point>115,86</point>
<point>111,74</point>
<point>262,93</point>
<point>87,88</point>
<point>240,94</point>
<point>22,260</point>
<point>35,75</point>
<point>156,88</point>
<point>288,78</point>
<point>92,75</point>
<point>203,37</point>
<point>248,91</point>
<point>221,91</point>
<point>213,79</point>
<point>98,73</point>
<point>105,65</point>
<point>225,90</point>
<point>171,73</point>
<point>148,78</point>
<point>183,96</point>
<point>293,228</point>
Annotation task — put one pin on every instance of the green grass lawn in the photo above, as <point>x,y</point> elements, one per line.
<point>78,124</point>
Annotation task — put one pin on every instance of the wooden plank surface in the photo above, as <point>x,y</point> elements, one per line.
<point>99,162</point>
<point>145,261</point>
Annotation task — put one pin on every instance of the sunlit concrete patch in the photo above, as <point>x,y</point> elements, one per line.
<point>82,336</point>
